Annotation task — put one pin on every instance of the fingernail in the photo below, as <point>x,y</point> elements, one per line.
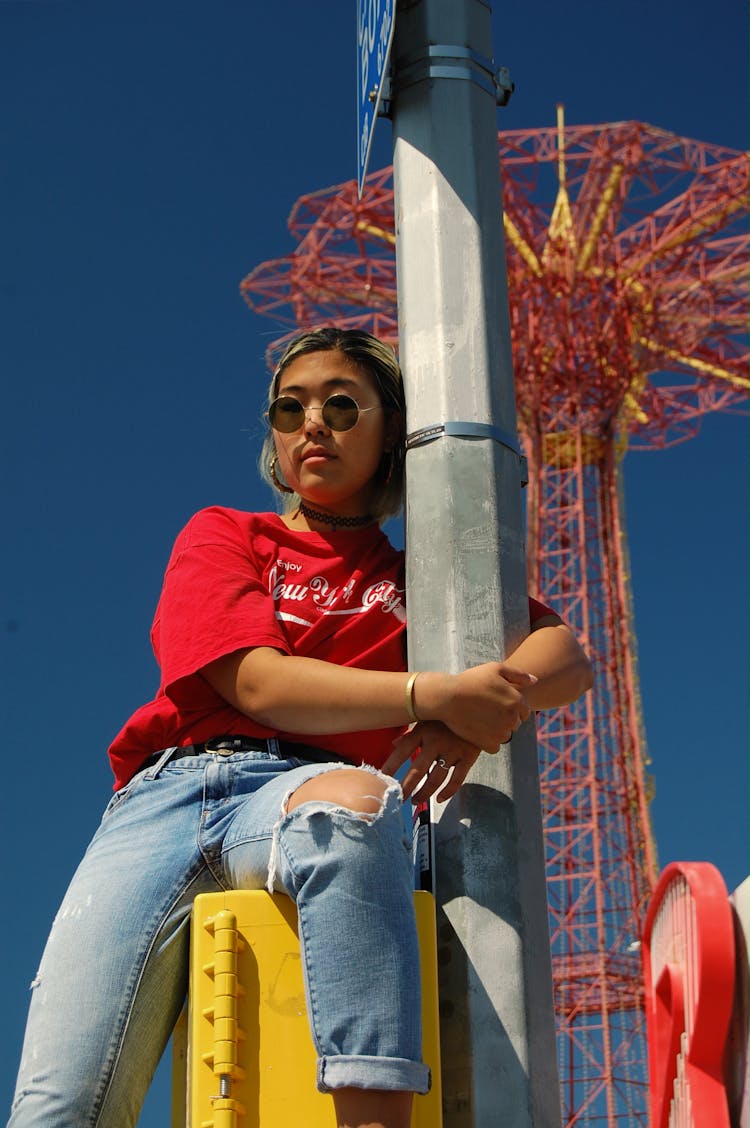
<point>533,678</point>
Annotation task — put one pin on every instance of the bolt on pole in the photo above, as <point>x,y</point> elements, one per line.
<point>466,575</point>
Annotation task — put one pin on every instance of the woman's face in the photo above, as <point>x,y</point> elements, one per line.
<point>332,469</point>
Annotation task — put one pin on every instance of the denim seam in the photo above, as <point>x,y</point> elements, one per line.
<point>110,1065</point>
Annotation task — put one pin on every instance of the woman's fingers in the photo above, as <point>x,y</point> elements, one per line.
<point>450,775</point>
<point>421,765</point>
<point>404,746</point>
<point>439,759</point>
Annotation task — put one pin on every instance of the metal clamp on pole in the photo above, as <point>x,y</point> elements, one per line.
<point>386,97</point>
<point>464,430</point>
<point>456,63</point>
<point>461,430</point>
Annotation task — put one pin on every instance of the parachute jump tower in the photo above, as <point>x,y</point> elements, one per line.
<point>627,260</point>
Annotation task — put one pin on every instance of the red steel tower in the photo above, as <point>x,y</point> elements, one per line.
<point>627,260</point>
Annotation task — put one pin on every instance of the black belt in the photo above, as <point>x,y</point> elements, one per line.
<point>226,745</point>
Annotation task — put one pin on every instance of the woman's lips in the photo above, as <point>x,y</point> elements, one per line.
<point>316,454</point>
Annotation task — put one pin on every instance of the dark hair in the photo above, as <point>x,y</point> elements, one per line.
<point>379,360</point>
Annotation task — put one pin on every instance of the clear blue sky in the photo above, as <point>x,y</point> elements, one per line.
<point>150,155</point>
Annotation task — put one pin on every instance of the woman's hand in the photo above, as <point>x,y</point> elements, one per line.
<point>483,706</point>
<point>438,757</point>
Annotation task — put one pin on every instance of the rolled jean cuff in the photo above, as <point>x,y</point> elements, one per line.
<point>359,1071</point>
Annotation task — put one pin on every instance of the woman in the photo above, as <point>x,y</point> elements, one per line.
<point>266,759</point>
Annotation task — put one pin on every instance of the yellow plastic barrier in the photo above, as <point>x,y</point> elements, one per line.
<point>243,1055</point>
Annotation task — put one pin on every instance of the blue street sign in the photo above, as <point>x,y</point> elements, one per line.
<point>375,22</point>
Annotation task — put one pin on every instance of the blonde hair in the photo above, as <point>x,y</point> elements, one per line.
<point>379,360</point>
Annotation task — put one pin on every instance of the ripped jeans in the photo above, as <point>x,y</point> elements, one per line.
<point>113,977</point>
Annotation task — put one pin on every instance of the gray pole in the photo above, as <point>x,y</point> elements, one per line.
<point>466,582</point>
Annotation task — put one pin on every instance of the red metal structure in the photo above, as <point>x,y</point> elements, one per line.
<point>627,260</point>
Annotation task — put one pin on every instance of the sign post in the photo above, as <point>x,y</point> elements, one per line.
<point>466,575</point>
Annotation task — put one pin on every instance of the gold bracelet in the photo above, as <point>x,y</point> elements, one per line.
<point>410,710</point>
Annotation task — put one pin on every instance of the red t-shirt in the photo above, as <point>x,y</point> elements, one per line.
<point>237,580</point>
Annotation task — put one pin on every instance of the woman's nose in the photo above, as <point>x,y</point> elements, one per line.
<point>314,420</point>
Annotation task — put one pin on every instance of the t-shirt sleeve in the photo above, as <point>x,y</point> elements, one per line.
<point>539,610</point>
<point>213,602</point>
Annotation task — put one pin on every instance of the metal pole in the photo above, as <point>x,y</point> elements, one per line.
<point>466,582</point>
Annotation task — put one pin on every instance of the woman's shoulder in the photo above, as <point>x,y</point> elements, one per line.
<point>222,522</point>
<point>219,526</point>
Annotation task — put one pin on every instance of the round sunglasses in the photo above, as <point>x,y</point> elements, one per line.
<point>340,413</point>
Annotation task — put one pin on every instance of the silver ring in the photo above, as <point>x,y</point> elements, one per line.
<point>441,762</point>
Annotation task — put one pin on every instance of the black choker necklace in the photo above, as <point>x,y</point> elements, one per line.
<point>332,519</point>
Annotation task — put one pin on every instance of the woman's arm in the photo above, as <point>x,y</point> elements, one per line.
<point>563,673</point>
<point>482,705</point>
<point>480,708</point>
<point>561,666</point>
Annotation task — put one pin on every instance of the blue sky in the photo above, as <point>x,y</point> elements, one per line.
<point>150,154</point>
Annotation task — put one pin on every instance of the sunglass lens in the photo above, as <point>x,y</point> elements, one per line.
<point>340,412</point>
<point>286,414</point>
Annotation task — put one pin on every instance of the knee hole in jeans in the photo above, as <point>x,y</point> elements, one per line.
<point>361,791</point>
